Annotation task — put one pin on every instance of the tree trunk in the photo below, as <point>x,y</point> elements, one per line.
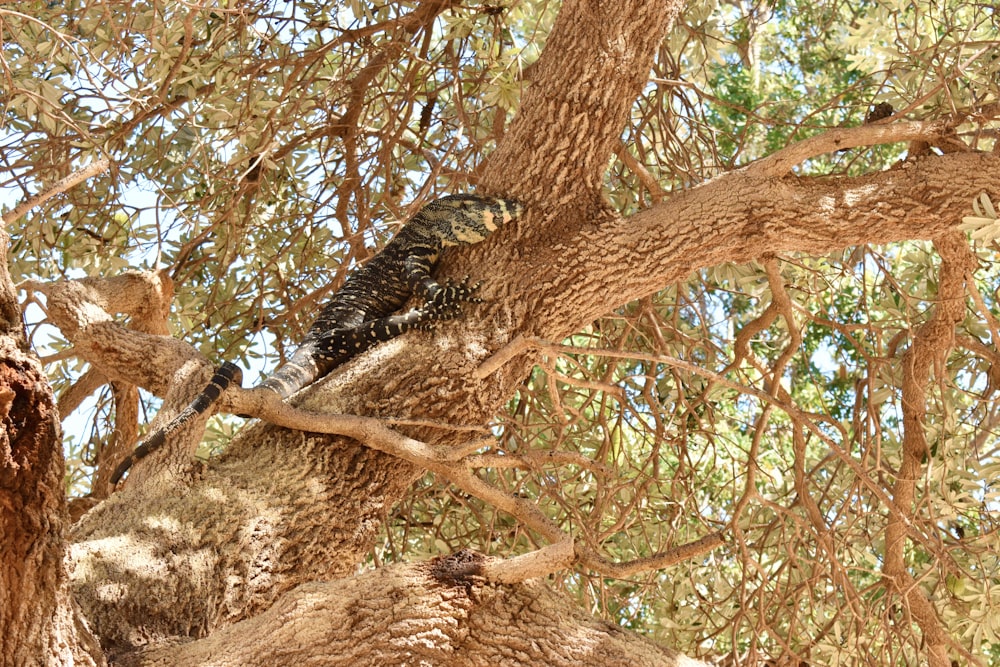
<point>37,620</point>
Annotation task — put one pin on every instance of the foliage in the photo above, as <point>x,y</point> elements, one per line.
<point>262,149</point>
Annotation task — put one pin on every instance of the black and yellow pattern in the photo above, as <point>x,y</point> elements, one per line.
<point>360,314</point>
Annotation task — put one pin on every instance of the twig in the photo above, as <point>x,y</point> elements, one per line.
<point>515,347</point>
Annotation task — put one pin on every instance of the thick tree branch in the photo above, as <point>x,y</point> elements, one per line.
<point>443,613</point>
<point>141,354</point>
<point>596,60</point>
<point>780,163</point>
<point>742,216</point>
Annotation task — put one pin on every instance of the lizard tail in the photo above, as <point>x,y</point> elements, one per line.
<point>227,374</point>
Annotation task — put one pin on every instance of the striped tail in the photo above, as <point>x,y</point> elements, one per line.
<point>227,374</point>
<point>304,368</point>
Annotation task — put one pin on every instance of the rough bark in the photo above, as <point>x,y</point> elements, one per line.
<point>932,342</point>
<point>442,614</point>
<point>37,620</point>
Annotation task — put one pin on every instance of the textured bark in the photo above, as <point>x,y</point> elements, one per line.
<point>932,342</point>
<point>140,354</point>
<point>596,60</point>
<point>745,215</point>
<point>437,613</point>
<point>37,621</point>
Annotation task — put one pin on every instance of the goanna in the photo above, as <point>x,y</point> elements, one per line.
<point>360,314</point>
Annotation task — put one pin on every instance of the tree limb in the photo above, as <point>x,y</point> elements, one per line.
<point>389,608</point>
<point>781,162</point>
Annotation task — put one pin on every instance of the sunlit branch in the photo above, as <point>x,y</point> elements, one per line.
<point>538,563</point>
<point>657,561</point>
<point>781,162</point>
<point>57,188</point>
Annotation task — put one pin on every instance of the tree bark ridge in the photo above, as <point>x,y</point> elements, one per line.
<point>418,614</point>
<point>38,620</point>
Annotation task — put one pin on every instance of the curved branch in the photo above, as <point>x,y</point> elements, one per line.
<point>931,343</point>
<point>83,311</point>
<point>780,163</point>
<point>657,561</point>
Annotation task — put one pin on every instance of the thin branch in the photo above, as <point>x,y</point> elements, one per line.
<point>519,345</point>
<point>657,561</point>
<point>780,163</point>
<point>57,188</point>
<point>804,418</point>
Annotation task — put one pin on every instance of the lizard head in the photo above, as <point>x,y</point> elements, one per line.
<point>467,219</point>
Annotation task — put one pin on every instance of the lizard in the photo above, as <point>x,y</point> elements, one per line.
<point>361,313</point>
